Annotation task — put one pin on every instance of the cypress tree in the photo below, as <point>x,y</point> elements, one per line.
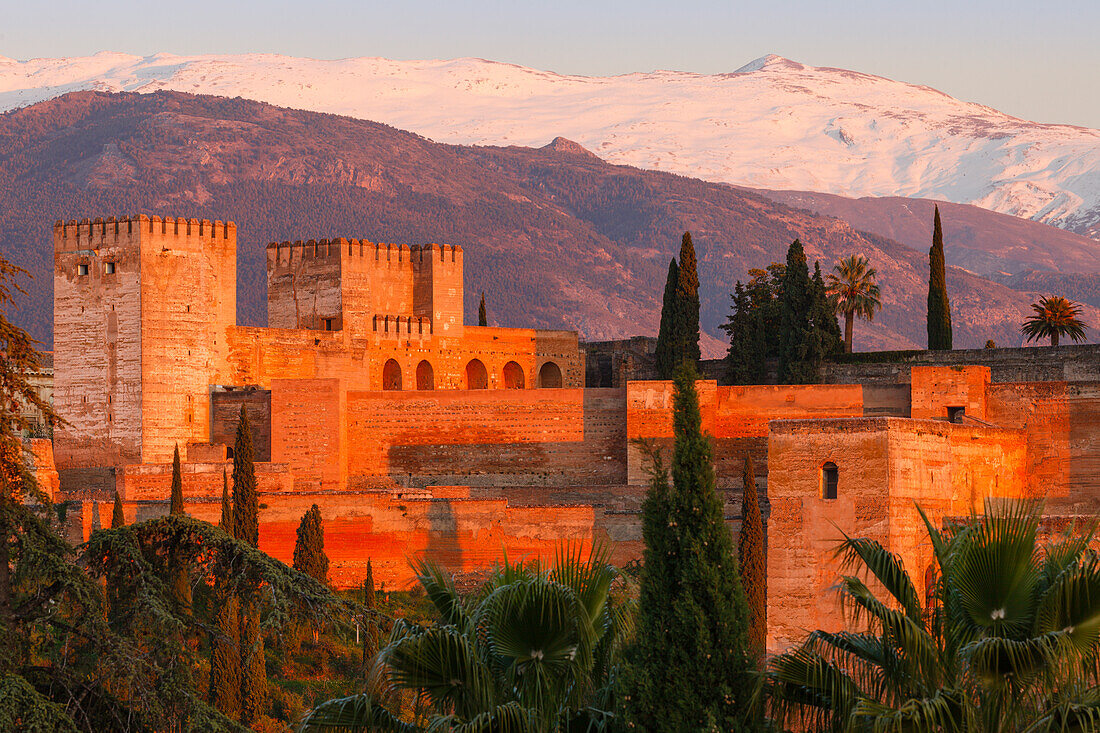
<point>309,549</point>
<point>665,337</point>
<point>246,528</point>
<point>939,308</point>
<point>751,558</point>
<point>829,340</point>
<point>177,484</point>
<point>686,339</point>
<point>370,632</point>
<point>118,519</point>
<point>482,317</point>
<point>179,578</point>
<point>796,328</point>
<point>689,666</point>
<point>747,353</point>
<point>225,654</point>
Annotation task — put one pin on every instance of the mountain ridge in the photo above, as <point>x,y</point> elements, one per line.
<point>778,125</point>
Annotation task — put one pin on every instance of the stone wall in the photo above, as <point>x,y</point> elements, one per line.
<point>225,411</point>
<point>885,468</point>
<point>1026,364</point>
<point>489,437</point>
<point>935,391</point>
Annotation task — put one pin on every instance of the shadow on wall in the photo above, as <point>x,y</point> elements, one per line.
<point>444,546</point>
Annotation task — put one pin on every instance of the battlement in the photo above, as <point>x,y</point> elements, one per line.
<point>72,235</point>
<point>282,254</point>
<point>395,326</point>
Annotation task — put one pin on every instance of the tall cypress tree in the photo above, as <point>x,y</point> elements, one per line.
<point>482,316</point>
<point>246,528</point>
<point>309,548</point>
<point>939,308</point>
<point>751,558</point>
<point>746,358</point>
<point>118,519</point>
<point>795,325</point>
<point>829,340</point>
<point>225,653</point>
<point>689,666</point>
<point>179,580</point>
<point>177,484</point>
<point>686,340</point>
<point>370,631</point>
<point>664,353</point>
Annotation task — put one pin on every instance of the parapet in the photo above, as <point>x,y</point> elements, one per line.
<point>283,253</point>
<point>74,235</point>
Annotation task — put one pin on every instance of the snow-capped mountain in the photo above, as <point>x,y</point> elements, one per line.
<point>773,123</point>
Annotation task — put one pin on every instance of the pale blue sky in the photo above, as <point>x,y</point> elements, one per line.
<point>1038,60</point>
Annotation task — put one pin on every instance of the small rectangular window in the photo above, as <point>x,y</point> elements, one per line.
<point>109,268</point>
<point>956,414</point>
<point>830,477</point>
<point>328,324</point>
<point>81,269</point>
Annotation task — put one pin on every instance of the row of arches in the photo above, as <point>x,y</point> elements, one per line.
<point>476,376</point>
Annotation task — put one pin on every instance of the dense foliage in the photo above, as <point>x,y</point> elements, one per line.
<point>939,308</point>
<point>1004,638</point>
<point>309,548</point>
<point>1053,318</point>
<point>690,666</point>
<point>664,352</point>
<point>535,649</point>
<point>482,316</point>
<point>753,325</point>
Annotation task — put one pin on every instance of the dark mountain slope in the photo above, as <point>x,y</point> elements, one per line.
<point>554,237</point>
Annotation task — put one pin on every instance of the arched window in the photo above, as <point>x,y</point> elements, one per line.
<point>513,376</point>
<point>829,479</point>
<point>391,375</point>
<point>476,376</point>
<point>550,376</point>
<point>425,376</point>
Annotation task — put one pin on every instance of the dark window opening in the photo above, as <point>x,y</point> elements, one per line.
<point>328,324</point>
<point>829,480</point>
<point>109,268</point>
<point>81,269</point>
<point>956,414</point>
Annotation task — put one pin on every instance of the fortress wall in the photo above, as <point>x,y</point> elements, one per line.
<point>225,408</point>
<point>463,535</point>
<point>1062,422</point>
<point>308,423</point>
<point>487,437</point>
<point>935,389</point>
<point>152,482</point>
<point>885,467</point>
<point>736,417</point>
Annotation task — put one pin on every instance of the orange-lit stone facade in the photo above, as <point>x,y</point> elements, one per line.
<point>417,434</point>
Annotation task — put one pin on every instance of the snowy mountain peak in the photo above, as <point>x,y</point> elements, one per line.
<point>795,127</point>
<point>771,62</point>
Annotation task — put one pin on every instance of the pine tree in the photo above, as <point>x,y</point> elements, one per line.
<point>747,353</point>
<point>689,665</point>
<point>686,340</point>
<point>309,549</point>
<point>664,352</point>
<point>118,519</point>
<point>752,560</point>
<point>177,484</point>
<point>939,308</point>
<point>482,317</point>
<point>246,528</point>
<point>225,654</point>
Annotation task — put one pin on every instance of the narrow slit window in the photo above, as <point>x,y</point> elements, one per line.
<point>829,479</point>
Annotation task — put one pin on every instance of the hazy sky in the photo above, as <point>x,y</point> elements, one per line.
<point>1038,60</point>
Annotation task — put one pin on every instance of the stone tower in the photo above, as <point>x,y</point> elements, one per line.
<point>142,307</point>
<point>354,285</point>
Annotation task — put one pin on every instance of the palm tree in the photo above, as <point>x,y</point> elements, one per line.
<point>1054,316</point>
<point>535,649</point>
<point>852,291</point>
<point>1006,639</point>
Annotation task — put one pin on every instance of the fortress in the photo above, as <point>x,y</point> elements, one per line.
<point>418,434</point>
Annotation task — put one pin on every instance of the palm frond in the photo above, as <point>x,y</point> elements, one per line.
<point>886,567</point>
<point>355,714</point>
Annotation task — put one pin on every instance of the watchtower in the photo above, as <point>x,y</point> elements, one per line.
<point>352,285</point>
<point>142,306</point>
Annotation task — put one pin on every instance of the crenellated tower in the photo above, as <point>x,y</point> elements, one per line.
<point>142,309</point>
<point>359,286</point>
